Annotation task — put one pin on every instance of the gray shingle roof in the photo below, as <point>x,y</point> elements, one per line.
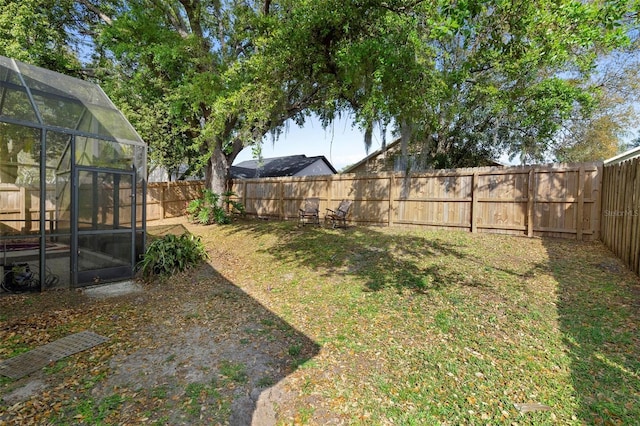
<point>274,167</point>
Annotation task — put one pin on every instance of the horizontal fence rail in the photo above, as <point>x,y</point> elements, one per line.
<point>620,229</point>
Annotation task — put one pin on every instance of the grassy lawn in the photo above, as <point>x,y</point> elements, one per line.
<point>358,326</point>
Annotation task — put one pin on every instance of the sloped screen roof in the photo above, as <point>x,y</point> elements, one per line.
<point>35,95</point>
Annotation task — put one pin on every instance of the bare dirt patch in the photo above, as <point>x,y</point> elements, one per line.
<point>192,349</point>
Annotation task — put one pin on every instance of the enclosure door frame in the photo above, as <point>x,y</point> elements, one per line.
<point>100,275</point>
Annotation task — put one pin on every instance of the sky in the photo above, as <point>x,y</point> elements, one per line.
<point>342,144</point>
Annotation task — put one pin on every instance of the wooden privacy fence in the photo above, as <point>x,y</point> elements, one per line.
<point>582,201</point>
<point>169,199</point>
<point>20,205</point>
<point>554,200</point>
<point>620,229</point>
<point>20,208</point>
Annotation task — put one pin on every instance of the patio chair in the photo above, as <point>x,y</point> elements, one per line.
<point>338,217</point>
<point>310,211</point>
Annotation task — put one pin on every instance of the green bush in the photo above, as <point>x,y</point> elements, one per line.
<point>207,210</point>
<point>194,207</point>
<point>232,206</point>
<point>171,254</point>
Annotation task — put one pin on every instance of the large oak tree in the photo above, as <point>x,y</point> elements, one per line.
<point>202,79</point>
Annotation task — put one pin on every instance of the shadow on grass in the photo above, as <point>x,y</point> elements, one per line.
<point>191,349</point>
<point>158,231</point>
<point>599,314</point>
<point>382,260</point>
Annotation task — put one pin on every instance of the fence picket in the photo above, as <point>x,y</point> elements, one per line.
<point>620,218</point>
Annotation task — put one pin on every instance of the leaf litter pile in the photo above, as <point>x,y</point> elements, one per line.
<point>305,325</point>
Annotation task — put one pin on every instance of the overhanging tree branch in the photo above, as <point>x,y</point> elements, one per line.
<point>95,9</point>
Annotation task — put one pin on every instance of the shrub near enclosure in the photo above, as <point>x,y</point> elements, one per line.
<point>206,210</point>
<point>171,254</point>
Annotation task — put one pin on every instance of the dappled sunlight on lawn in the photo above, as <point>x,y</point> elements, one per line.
<point>414,326</point>
<point>415,261</point>
<point>309,325</point>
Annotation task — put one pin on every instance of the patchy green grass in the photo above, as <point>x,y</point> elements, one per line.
<point>199,395</point>
<point>265,382</point>
<point>430,327</point>
<point>409,327</point>
<point>235,372</point>
<point>90,411</point>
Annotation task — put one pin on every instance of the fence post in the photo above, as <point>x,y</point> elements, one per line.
<point>281,200</point>
<point>530,202</point>
<point>628,212</point>
<point>604,198</point>
<point>244,194</point>
<point>330,190</point>
<point>596,214</point>
<point>580,212</point>
<point>474,202</point>
<point>633,212</point>
<point>617,232</point>
<point>162,213</point>
<point>23,209</point>
<point>392,183</point>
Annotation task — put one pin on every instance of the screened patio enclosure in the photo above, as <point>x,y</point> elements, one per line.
<point>72,181</point>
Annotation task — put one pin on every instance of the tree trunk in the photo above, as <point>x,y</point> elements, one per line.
<point>217,174</point>
<point>218,171</point>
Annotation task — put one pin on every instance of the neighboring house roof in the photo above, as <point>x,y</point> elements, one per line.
<point>372,156</point>
<point>627,155</point>
<point>376,161</point>
<point>293,165</point>
<point>160,174</point>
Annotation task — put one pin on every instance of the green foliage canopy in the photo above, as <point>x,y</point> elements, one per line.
<point>39,32</point>
<point>603,133</point>
<point>462,81</point>
<point>472,79</point>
